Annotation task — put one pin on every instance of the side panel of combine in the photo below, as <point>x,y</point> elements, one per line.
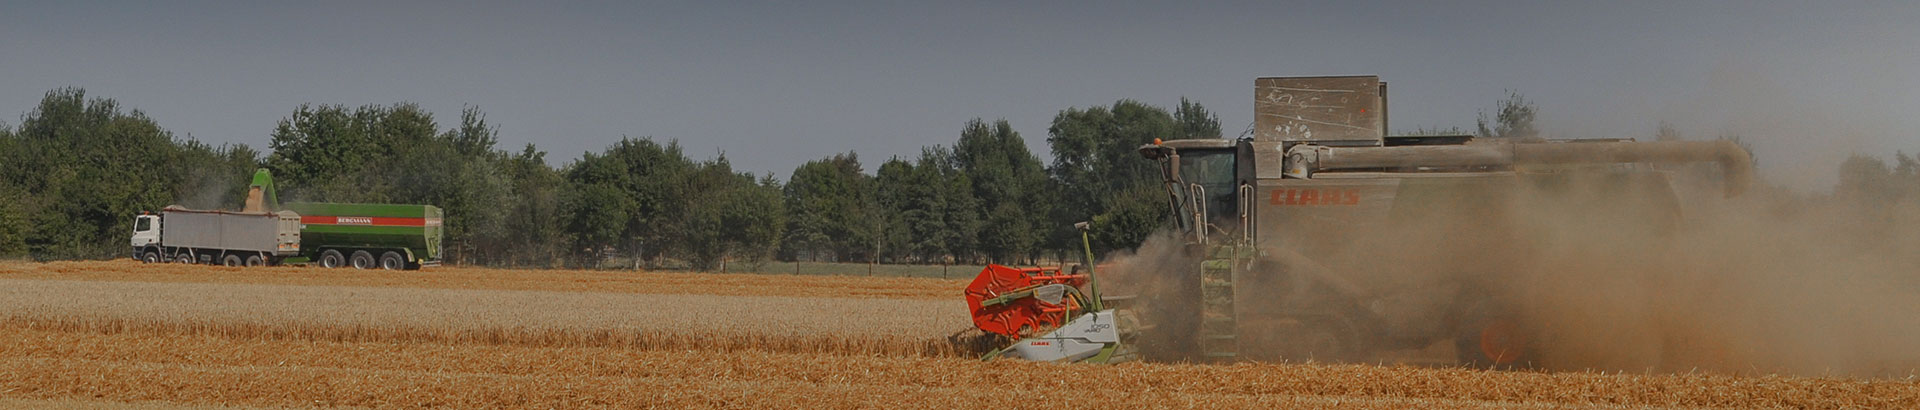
<point>1354,263</point>
<point>1365,262</point>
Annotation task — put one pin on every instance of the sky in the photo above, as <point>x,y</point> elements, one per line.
<point>775,84</point>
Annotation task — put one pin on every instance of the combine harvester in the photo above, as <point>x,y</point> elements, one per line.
<point>1322,238</point>
<point>266,233</point>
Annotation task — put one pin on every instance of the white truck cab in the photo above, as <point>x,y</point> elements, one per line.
<point>146,234</point>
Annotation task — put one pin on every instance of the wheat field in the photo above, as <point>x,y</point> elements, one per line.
<point>120,334</point>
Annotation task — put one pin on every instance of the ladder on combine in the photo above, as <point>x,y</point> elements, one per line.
<point>1219,334</point>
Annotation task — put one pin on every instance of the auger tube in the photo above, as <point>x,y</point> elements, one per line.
<point>1735,163</point>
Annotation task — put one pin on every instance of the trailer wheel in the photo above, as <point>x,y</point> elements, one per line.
<point>256,261</point>
<point>362,260</point>
<point>231,261</point>
<point>150,257</point>
<point>332,259</point>
<point>392,261</point>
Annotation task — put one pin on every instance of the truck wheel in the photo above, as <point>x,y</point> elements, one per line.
<point>231,261</point>
<point>256,261</point>
<point>332,259</point>
<point>184,257</point>
<point>362,260</point>
<point>150,257</point>
<point>392,261</point>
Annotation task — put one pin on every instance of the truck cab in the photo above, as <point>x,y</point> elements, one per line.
<point>146,236</point>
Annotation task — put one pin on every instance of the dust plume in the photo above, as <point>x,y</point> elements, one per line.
<point>1772,281</point>
<point>1605,270</point>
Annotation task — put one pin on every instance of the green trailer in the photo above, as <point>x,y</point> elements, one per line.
<point>365,236</point>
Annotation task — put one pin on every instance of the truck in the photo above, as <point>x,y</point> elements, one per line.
<point>268,233</point>
<point>216,237</point>
<point>1320,237</point>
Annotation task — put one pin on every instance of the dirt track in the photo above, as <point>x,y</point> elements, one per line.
<point>146,353</point>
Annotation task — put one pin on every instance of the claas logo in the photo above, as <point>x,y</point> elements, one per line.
<point>1315,197</point>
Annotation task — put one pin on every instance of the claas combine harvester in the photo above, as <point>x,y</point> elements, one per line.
<point>1319,237</point>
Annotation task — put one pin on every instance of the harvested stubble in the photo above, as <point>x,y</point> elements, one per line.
<point>536,318</point>
<point>125,337</point>
<point>501,279</point>
<point>199,369</point>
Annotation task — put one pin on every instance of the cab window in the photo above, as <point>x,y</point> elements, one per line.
<point>143,224</point>
<point>1213,170</point>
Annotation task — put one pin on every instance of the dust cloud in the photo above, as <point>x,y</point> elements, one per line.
<point>1650,272</point>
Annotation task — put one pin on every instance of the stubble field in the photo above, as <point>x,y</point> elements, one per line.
<point>123,334</point>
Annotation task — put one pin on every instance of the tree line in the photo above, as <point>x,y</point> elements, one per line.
<point>78,168</point>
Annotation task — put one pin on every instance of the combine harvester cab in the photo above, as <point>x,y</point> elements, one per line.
<point>1321,238</point>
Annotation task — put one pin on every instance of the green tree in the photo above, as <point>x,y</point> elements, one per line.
<point>827,200</point>
<point>894,190</point>
<point>636,186</point>
<point>13,223</point>
<point>942,211</point>
<point>14,227</point>
<point>85,167</point>
<point>1195,121</point>
<point>1665,131</point>
<point>731,216</point>
<point>1514,119</point>
<point>316,148</point>
<point>535,221</point>
<point>1007,184</point>
<point>1098,172</point>
<point>1868,180</point>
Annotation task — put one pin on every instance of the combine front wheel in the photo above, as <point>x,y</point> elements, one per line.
<point>1495,342</point>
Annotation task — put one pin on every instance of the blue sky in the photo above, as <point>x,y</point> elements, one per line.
<point>776,84</point>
